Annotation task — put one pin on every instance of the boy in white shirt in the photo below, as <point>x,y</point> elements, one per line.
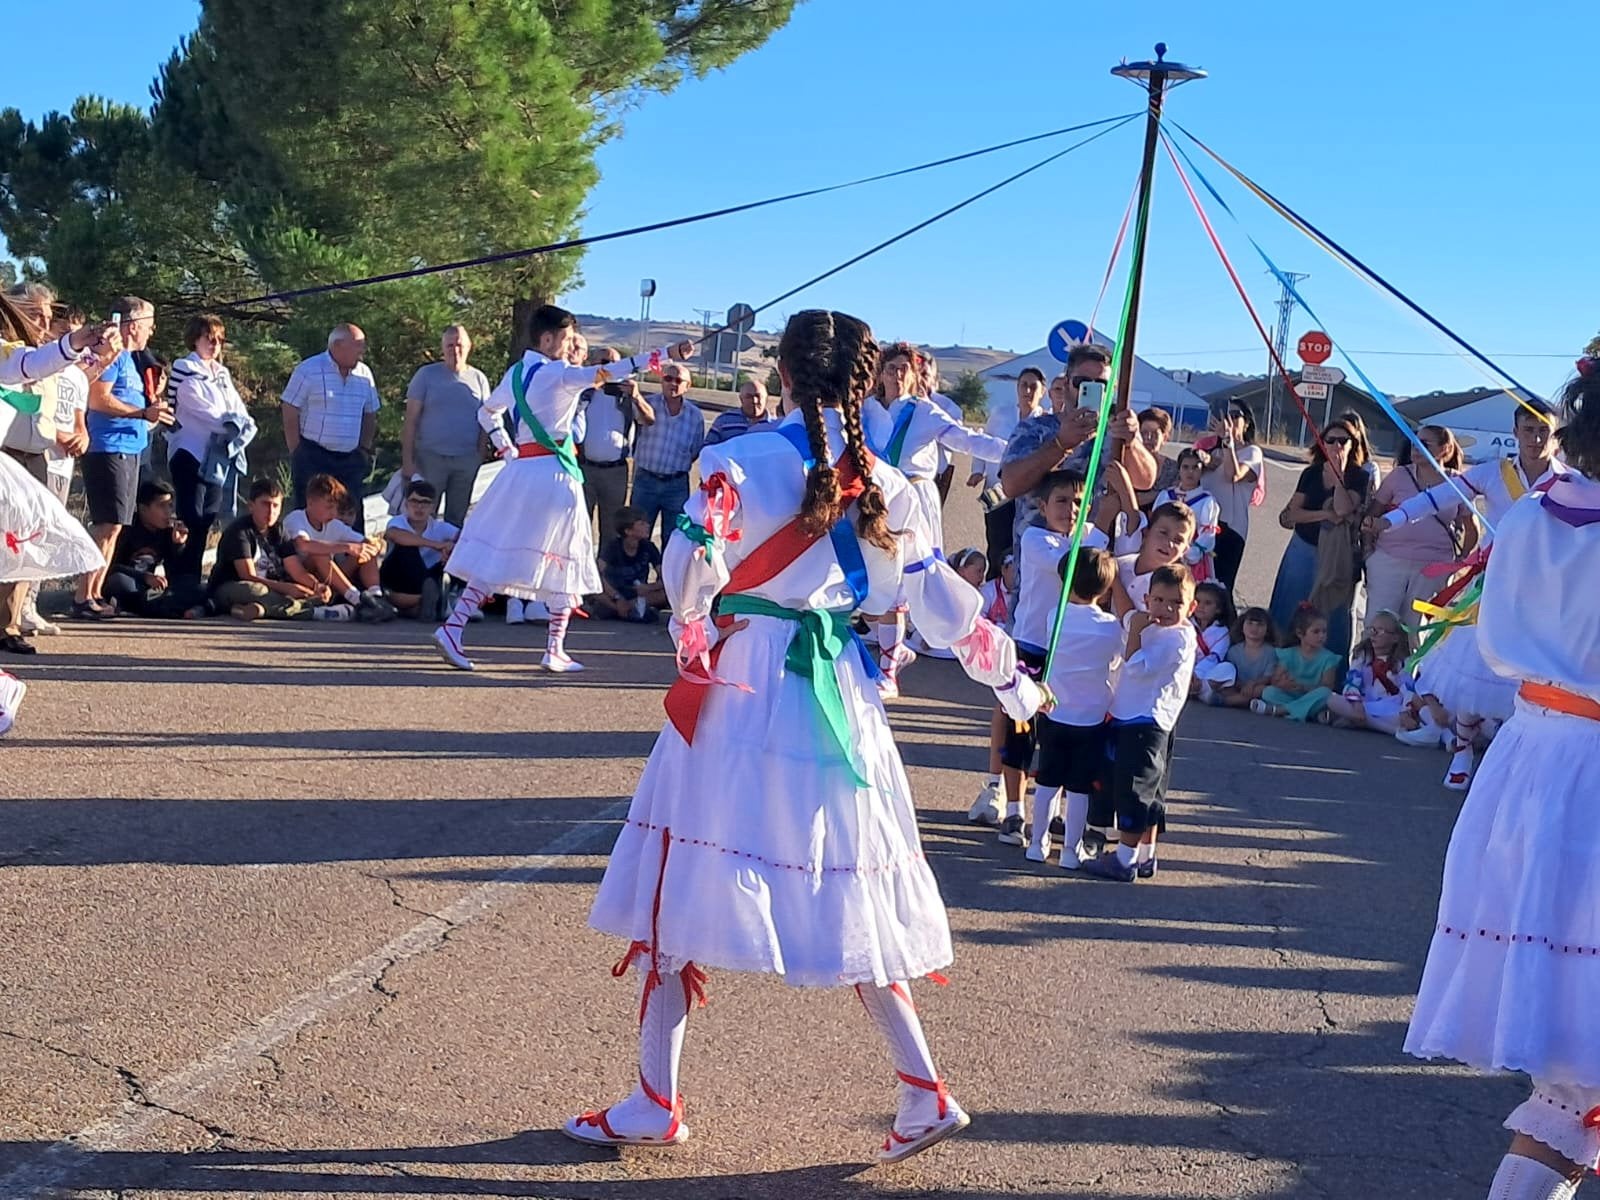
<point>419,541</point>
<point>1158,663</point>
<point>1072,737</point>
<point>328,551</point>
<point>1039,581</point>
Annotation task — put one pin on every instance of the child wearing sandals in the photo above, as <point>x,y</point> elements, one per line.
<point>1378,686</point>
<point>1251,662</point>
<point>1307,671</point>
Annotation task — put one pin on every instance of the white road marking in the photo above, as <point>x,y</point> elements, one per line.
<point>55,1166</point>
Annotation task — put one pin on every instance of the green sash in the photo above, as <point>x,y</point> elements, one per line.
<point>564,452</point>
<point>26,403</point>
<point>816,645</point>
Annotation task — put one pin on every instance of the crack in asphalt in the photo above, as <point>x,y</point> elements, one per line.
<point>131,1084</point>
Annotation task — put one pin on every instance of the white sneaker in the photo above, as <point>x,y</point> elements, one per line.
<point>1037,851</point>
<point>560,663</point>
<point>450,648</point>
<point>515,614</point>
<point>986,809</point>
<point>1072,857</point>
<point>32,622</point>
<point>12,690</point>
<point>334,612</point>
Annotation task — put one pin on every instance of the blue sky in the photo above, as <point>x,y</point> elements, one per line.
<point>1454,154</point>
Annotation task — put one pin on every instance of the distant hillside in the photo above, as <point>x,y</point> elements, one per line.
<point>624,333</point>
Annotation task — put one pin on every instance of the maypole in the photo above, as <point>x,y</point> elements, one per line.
<point>1157,78</point>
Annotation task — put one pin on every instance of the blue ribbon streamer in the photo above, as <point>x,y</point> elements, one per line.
<point>1378,395</point>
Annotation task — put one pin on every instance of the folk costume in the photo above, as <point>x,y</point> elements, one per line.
<point>773,828</point>
<point>1207,524</point>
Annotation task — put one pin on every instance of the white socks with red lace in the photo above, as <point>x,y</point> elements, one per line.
<point>648,1110</point>
<point>469,602</point>
<point>556,642</point>
<point>895,1016</point>
<point>1524,1179</point>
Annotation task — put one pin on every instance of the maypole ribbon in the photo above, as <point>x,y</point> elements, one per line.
<point>1378,395</point>
<point>595,239</point>
<point>1368,275</point>
<point>1111,263</point>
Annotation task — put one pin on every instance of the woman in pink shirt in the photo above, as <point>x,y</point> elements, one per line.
<point>1396,563</point>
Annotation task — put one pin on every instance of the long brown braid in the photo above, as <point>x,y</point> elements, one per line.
<point>854,344</point>
<point>807,351</point>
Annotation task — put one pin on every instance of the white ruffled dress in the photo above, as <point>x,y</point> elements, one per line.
<point>1513,974</point>
<point>39,539</point>
<point>755,848</point>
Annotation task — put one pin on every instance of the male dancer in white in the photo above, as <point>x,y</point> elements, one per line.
<point>910,432</point>
<point>1454,672</point>
<point>529,537</point>
<point>1514,968</point>
<point>773,829</point>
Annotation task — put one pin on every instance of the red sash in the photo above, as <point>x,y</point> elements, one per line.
<point>533,450</point>
<point>763,564</point>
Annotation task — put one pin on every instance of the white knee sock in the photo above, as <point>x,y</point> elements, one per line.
<point>651,1109</point>
<point>1524,1179</point>
<point>921,1103</point>
<point>470,601</point>
<point>1075,817</point>
<point>1043,801</point>
<point>556,642</point>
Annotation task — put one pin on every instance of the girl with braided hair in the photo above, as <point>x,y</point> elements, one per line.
<point>910,432</point>
<point>773,828</point>
<point>1514,966</point>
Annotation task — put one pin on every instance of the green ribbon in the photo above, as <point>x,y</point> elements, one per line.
<point>698,534</point>
<point>817,643</point>
<point>26,403</point>
<point>565,453</point>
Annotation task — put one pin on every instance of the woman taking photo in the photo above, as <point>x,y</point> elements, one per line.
<point>1233,466</point>
<point>205,447</point>
<point>1331,495</point>
<point>1397,559</point>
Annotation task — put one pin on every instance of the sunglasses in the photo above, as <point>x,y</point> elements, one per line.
<point>1336,441</point>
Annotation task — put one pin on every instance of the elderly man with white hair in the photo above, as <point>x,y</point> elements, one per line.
<point>330,416</point>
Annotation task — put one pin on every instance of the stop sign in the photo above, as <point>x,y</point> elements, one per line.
<point>1314,347</point>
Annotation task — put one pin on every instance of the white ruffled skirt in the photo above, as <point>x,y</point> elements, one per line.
<point>529,536</point>
<point>1513,974</point>
<point>1456,674</point>
<point>39,539</point>
<point>755,850</point>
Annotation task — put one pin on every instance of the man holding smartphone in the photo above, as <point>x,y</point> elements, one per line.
<point>610,413</point>
<point>119,421</point>
<point>1058,440</point>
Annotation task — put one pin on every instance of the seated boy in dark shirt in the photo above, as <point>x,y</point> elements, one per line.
<point>249,579</point>
<point>153,543</point>
<point>628,593</point>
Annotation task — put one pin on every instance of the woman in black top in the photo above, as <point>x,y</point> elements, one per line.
<point>1331,492</point>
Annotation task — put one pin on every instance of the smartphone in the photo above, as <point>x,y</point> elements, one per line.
<point>1091,395</point>
<point>116,321</point>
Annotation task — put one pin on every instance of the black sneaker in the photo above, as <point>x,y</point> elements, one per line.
<point>1147,869</point>
<point>1094,842</point>
<point>1058,828</point>
<point>1011,832</point>
<point>1108,866</point>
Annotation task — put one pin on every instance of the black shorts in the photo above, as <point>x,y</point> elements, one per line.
<point>110,483</point>
<point>1141,765</point>
<point>1070,756</point>
<point>402,571</point>
<point>1017,750</point>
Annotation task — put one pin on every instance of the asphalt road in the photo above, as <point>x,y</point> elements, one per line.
<point>299,911</point>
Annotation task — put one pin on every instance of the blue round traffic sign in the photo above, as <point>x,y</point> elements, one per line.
<point>1064,337</point>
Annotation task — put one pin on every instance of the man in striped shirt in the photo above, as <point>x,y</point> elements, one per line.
<point>671,431</point>
<point>752,414</point>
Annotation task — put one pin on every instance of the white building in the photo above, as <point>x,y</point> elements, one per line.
<point>1481,419</point>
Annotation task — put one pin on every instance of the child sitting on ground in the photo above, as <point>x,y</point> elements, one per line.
<point>1039,571</point>
<point>1207,515</point>
<point>1378,686</point>
<point>1251,663</point>
<point>1072,737</point>
<point>329,552</point>
<point>1157,664</point>
<point>419,542</point>
<point>249,579</point>
<point>625,564</point>
<point>1307,671</point>
<point>1214,620</point>
<point>154,541</point>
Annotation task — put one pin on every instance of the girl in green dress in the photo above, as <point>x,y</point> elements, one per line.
<point>1307,672</point>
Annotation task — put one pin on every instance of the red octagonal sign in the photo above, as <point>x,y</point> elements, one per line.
<point>1314,347</point>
